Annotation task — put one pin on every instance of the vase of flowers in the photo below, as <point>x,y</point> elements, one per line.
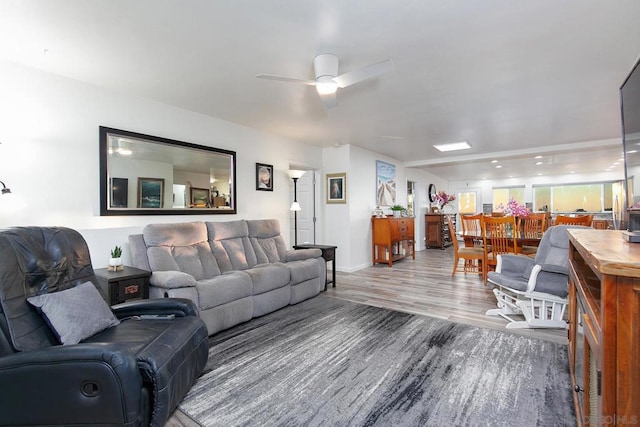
<point>443,199</point>
<point>514,208</point>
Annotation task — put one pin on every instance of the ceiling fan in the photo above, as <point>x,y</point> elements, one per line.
<point>327,79</point>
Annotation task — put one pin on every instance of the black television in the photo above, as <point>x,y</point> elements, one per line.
<point>630,118</point>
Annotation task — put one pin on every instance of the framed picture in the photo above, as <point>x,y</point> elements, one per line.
<point>337,187</point>
<point>199,197</point>
<point>385,183</point>
<point>264,177</point>
<point>150,192</point>
<point>119,193</point>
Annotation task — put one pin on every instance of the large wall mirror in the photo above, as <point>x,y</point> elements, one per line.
<point>149,175</point>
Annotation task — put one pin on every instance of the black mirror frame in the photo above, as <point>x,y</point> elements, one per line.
<point>104,197</point>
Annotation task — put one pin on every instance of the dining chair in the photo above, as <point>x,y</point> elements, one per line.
<point>499,237</point>
<point>472,226</point>
<point>472,255</point>
<point>574,220</point>
<point>534,225</point>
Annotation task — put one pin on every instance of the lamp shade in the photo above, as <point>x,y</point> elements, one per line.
<point>295,206</point>
<point>296,173</point>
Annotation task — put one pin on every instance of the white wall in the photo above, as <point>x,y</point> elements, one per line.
<point>348,226</point>
<point>49,155</point>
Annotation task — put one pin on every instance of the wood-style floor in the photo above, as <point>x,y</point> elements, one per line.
<point>424,286</point>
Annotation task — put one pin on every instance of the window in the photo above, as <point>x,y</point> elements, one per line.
<point>593,197</point>
<point>504,194</point>
<point>467,202</point>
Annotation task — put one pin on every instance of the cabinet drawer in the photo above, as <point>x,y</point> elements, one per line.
<point>130,289</point>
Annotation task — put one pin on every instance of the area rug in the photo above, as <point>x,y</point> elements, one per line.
<point>335,363</point>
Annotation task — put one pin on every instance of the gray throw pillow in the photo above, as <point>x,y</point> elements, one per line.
<point>76,313</point>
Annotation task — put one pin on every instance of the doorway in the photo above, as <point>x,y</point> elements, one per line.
<point>306,216</point>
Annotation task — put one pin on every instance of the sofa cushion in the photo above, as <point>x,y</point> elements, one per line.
<point>267,243</point>
<point>76,313</point>
<point>230,244</point>
<point>267,277</point>
<point>305,270</point>
<point>180,247</point>
<point>223,289</point>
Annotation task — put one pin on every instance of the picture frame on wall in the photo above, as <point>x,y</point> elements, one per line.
<point>150,192</point>
<point>264,177</point>
<point>385,183</point>
<point>336,187</point>
<point>199,197</point>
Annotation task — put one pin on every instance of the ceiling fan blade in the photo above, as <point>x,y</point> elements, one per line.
<point>286,79</point>
<point>329,100</point>
<point>364,73</point>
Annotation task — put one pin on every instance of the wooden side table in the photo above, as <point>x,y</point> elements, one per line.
<point>120,286</point>
<point>329,254</point>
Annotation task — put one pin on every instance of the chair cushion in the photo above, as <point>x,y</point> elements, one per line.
<point>512,282</point>
<point>76,313</point>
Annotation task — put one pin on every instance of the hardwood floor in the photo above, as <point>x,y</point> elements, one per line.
<point>424,286</point>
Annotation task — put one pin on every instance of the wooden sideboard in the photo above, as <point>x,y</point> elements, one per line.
<point>604,327</point>
<point>393,239</point>
<point>436,230</point>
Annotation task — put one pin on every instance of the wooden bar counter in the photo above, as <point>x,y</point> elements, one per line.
<point>604,327</point>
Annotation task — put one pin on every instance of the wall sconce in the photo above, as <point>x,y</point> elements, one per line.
<point>295,206</point>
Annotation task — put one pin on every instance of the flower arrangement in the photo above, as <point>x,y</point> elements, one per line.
<point>514,208</point>
<point>443,198</point>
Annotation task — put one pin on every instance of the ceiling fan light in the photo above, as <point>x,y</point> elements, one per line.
<point>326,88</point>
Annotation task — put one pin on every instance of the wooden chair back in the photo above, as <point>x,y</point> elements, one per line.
<point>533,224</point>
<point>499,236</point>
<point>574,220</point>
<point>472,226</point>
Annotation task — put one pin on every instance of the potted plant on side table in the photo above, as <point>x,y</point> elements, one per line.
<point>115,262</point>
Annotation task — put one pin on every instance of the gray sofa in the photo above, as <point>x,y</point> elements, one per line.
<point>233,271</point>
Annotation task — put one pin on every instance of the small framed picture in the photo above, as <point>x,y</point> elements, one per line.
<point>264,177</point>
<point>199,197</point>
<point>150,192</point>
<point>337,187</point>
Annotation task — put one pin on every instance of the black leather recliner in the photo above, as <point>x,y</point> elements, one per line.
<point>135,373</point>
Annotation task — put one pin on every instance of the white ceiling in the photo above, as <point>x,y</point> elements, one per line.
<point>514,78</point>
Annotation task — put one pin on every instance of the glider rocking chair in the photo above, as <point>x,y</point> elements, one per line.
<point>534,288</point>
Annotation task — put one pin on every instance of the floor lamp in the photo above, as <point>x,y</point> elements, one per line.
<point>295,206</point>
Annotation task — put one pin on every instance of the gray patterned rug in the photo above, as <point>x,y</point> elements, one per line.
<point>335,363</point>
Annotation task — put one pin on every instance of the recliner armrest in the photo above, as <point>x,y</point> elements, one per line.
<point>180,307</point>
<point>47,386</point>
<point>514,264</point>
<point>172,279</point>
<point>553,268</point>
<point>547,282</point>
<point>302,254</point>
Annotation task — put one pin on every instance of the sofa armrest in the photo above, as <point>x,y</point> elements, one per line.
<point>180,307</point>
<point>172,279</point>
<point>302,254</point>
<point>49,386</point>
